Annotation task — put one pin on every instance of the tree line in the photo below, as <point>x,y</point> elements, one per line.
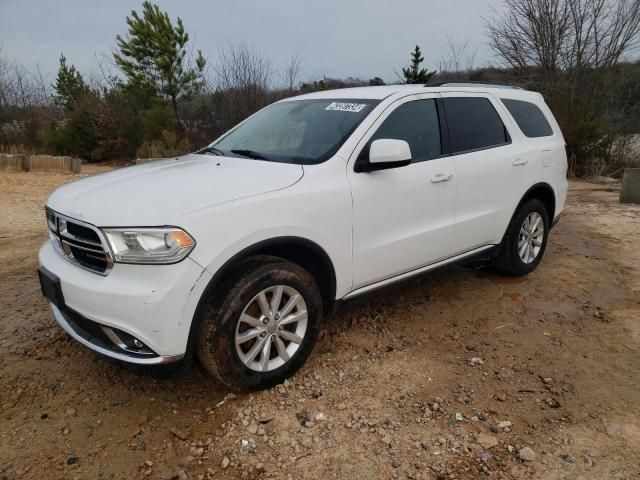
<point>156,95</point>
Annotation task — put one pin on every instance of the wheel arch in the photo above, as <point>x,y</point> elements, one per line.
<point>306,253</point>
<point>543,192</point>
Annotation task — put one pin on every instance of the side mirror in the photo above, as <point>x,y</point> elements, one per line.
<point>385,154</point>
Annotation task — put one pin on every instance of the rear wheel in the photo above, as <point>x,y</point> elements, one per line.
<point>261,326</point>
<point>526,239</point>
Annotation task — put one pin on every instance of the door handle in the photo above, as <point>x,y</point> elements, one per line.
<point>441,177</point>
<point>519,162</point>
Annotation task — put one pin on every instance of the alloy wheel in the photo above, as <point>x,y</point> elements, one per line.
<point>531,237</point>
<point>271,328</point>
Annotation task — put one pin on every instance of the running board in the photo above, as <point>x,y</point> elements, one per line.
<point>418,271</point>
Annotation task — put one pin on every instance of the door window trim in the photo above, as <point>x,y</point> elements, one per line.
<point>377,123</point>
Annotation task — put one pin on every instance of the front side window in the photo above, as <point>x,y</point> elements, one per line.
<point>529,118</point>
<point>473,124</point>
<point>415,122</point>
<point>299,131</point>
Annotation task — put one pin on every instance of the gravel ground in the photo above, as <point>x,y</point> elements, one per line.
<point>463,375</point>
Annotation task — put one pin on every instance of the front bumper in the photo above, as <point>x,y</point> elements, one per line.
<point>153,303</point>
<point>88,333</point>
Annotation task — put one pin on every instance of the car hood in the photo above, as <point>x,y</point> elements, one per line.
<point>162,191</point>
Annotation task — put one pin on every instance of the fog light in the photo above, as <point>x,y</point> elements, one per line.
<point>126,342</point>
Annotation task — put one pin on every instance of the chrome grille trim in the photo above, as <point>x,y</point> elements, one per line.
<point>66,242</point>
<point>77,239</point>
<point>81,247</point>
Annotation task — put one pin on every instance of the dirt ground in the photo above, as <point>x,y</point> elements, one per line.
<point>464,375</point>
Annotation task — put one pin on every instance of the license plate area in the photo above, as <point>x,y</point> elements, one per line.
<point>50,286</point>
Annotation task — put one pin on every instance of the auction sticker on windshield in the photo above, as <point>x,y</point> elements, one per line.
<point>346,107</point>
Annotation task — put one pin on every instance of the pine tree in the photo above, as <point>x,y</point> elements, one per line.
<point>413,73</point>
<point>69,85</point>
<point>154,53</point>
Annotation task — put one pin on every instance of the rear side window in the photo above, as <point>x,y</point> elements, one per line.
<point>529,118</point>
<point>473,124</point>
<point>417,123</point>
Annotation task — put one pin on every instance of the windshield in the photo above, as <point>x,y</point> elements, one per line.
<point>298,131</point>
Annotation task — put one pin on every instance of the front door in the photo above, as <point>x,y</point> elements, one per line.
<point>403,218</point>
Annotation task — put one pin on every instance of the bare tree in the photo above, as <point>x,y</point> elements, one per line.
<point>41,86</point>
<point>26,89</point>
<point>457,57</point>
<point>19,92</point>
<point>243,78</point>
<point>292,72</point>
<point>601,32</point>
<point>564,34</point>
<point>107,77</point>
<point>239,66</point>
<point>530,32</point>
<point>4,79</point>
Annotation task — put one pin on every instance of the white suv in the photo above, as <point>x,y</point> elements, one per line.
<point>237,253</point>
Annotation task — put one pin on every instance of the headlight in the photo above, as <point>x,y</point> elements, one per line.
<point>149,245</point>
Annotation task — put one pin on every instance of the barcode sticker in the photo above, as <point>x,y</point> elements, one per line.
<point>346,107</point>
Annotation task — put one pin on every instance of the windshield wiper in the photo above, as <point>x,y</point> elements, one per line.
<point>251,154</point>
<point>214,150</point>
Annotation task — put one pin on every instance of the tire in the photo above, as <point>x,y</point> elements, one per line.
<point>235,313</point>
<point>509,259</point>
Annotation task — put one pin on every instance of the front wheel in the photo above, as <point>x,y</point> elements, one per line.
<point>261,326</point>
<point>525,241</point>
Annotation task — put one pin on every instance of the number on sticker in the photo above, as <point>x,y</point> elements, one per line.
<point>346,107</point>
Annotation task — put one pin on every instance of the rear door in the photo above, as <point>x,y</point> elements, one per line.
<point>403,217</point>
<point>489,173</point>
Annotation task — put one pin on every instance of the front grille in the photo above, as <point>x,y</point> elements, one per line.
<point>79,242</point>
<point>83,232</point>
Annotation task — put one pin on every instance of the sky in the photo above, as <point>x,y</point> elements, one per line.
<point>334,38</point>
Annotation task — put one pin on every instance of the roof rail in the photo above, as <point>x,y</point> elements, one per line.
<point>452,83</point>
